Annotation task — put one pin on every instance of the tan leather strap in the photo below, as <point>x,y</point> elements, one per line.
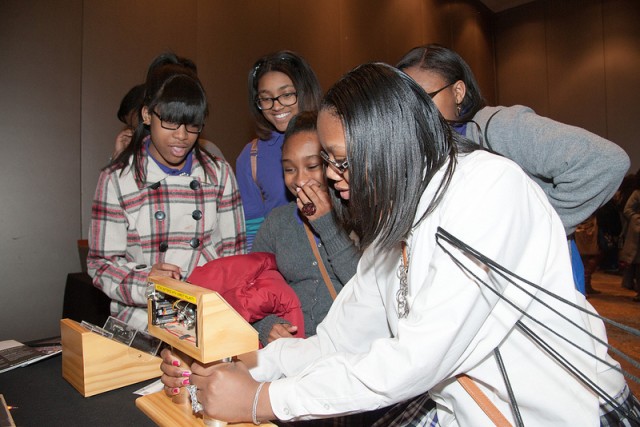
<point>483,401</point>
<point>254,164</point>
<point>323,270</point>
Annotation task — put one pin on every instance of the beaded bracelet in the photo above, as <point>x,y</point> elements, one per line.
<point>254,408</point>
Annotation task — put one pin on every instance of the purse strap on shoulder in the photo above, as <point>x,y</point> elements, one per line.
<point>316,253</point>
<point>254,164</point>
<point>483,401</point>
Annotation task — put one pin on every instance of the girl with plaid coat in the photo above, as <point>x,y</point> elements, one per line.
<point>164,206</point>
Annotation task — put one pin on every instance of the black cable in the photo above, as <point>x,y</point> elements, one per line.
<point>490,263</point>
<point>512,396</point>
<point>498,269</point>
<point>576,372</point>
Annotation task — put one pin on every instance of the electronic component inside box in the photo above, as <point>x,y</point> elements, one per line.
<point>169,311</point>
<point>197,321</point>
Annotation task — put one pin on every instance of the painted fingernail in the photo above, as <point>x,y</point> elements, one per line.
<point>176,363</point>
<point>186,373</point>
<point>185,381</point>
<point>175,391</point>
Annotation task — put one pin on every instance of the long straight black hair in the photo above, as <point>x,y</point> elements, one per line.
<point>302,76</point>
<point>396,140</point>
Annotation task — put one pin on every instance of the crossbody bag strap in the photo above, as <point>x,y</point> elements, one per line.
<point>483,401</point>
<point>254,164</point>
<point>323,270</point>
<point>486,129</point>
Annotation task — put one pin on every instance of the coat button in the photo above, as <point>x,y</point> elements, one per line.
<point>195,242</point>
<point>164,246</point>
<point>194,184</point>
<point>197,214</point>
<point>160,215</point>
<point>155,185</point>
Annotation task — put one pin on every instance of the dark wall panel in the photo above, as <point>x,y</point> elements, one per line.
<point>521,58</point>
<point>40,82</point>
<point>576,63</point>
<point>231,37</point>
<point>313,29</point>
<point>621,20</point>
<point>471,37</point>
<point>364,31</point>
<point>437,17</point>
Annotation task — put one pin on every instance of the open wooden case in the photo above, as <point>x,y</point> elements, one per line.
<point>93,364</point>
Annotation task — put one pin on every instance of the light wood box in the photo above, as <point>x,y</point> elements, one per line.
<point>162,411</point>
<point>93,364</point>
<point>220,330</point>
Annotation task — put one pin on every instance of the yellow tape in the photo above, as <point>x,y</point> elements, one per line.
<point>177,294</point>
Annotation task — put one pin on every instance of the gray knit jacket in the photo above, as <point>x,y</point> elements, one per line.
<point>578,170</point>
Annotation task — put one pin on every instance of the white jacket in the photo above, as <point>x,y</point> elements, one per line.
<point>364,357</point>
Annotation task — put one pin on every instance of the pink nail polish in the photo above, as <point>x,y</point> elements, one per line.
<point>186,373</point>
<point>176,390</point>
<point>176,363</point>
<point>185,381</point>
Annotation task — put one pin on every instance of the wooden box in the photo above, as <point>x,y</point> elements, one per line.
<point>165,413</point>
<point>94,364</point>
<point>218,332</point>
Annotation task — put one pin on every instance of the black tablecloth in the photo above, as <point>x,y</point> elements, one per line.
<point>44,398</point>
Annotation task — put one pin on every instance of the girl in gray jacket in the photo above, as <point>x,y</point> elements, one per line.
<point>578,170</point>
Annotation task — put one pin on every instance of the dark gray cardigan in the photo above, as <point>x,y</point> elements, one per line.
<point>283,235</point>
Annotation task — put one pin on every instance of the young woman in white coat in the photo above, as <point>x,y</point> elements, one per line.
<point>421,311</point>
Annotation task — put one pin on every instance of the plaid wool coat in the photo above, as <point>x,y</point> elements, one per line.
<point>182,220</point>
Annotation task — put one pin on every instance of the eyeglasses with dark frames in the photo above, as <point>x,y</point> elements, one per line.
<point>286,100</point>
<point>433,94</point>
<point>189,127</point>
<point>340,167</point>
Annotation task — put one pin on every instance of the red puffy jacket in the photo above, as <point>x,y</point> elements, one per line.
<point>253,286</point>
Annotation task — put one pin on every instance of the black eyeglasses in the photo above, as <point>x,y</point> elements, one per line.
<point>286,100</point>
<point>433,94</point>
<point>339,167</point>
<point>189,127</point>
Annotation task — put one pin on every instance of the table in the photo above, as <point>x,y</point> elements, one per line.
<point>44,398</point>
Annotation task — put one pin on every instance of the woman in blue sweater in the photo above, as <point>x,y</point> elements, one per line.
<point>280,85</point>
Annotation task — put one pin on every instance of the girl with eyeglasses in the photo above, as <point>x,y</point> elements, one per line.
<point>164,205</point>
<point>280,85</point>
<point>578,170</point>
<point>426,317</point>
<point>285,233</point>
<point>130,106</point>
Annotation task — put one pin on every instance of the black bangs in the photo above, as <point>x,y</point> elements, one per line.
<point>181,100</point>
<point>179,112</point>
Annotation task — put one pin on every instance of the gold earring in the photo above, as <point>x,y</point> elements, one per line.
<point>458,110</point>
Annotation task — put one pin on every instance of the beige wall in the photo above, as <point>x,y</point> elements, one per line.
<point>67,63</point>
<point>576,61</point>
<point>40,125</point>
